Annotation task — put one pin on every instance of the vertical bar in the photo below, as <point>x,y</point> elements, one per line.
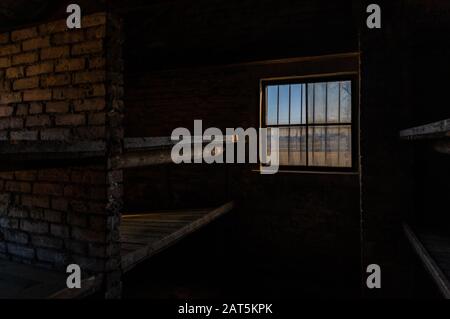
<point>278,105</point>
<point>339,128</point>
<point>289,127</point>
<point>326,120</point>
<point>314,122</point>
<point>306,124</point>
<point>301,121</point>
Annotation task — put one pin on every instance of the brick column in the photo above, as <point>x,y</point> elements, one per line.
<point>64,85</point>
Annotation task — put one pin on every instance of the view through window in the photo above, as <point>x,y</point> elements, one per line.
<point>314,121</point>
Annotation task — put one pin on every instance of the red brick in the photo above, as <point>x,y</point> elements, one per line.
<point>6,111</point>
<point>55,134</point>
<point>90,132</point>
<point>54,175</point>
<point>32,226</point>
<point>90,105</point>
<point>5,62</point>
<point>22,109</point>
<point>41,68</point>
<point>47,189</point>
<point>88,235</point>
<point>25,58</point>
<point>70,65</point>
<point>9,49</point>
<point>4,38</point>
<point>26,83</point>
<point>97,90</point>
<point>71,119</point>
<point>96,33</point>
<point>24,136</point>
<point>70,36</point>
<point>6,98</point>
<point>97,119</point>
<point>25,175</point>
<point>53,27</point>
<point>46,242</point>
<point>93,20</point>
<point>57,107</point>
<point>89,177</point>
<point>15,72</point>
<point>96,63</point>
<point>69,93</point>
<point>60,204</point>
<point>76,219</point>
<point>36,43</point>
<point>55,80</point>
<point>24,34</point>
<point>21,251</point>
<point>37,95</point>
<point>16,123</point>
<point>36,108</point>
<point>36,201</point>
<point>55,52</point>
<point>60,231</point>
<point>20,187</point>
<point>87,47</point>
<point>37,120</point>
<point>89,77</point>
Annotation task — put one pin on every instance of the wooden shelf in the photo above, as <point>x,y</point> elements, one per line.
<point>434,252</point>
<point>436,130</point>
<point>141,151</point>
<point>144,235</point>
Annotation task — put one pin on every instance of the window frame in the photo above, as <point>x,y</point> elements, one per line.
<point>344,76</point>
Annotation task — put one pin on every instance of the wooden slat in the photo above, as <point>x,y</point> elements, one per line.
<point>439,129</point>
<point>154,245</point>
<point>430,264</point>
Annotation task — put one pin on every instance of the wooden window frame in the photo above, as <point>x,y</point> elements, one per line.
<point>344,76</point>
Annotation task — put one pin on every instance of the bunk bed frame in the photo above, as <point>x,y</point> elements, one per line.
<point>142,235</point>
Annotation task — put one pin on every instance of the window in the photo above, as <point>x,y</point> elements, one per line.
<point>315,121</point>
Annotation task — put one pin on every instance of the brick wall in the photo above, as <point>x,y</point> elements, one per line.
<point>65,85</point>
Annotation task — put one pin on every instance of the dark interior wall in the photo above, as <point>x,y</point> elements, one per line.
<point>403,70</point>
<point>288,227</point>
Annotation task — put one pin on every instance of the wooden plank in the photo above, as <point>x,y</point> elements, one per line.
<point>130,260</point>
<point>440,129</point>
<point>89,286</point>
<point>430,264</point>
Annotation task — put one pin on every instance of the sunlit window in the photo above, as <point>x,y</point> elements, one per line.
<point>314,121</point>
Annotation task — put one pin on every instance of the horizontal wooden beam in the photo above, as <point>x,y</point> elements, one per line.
<point>138,152</point>
<point>434,130</point>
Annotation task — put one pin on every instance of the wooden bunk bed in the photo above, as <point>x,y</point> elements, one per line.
<point>142,235</point>
<point>431,245</point>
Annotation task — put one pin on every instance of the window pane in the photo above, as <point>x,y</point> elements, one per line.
<point>345,146</point>
<point>346,102</point>
<point>272,100</point>
<point>317,102</point>
<point>297,146</point>
<point>316,146</point>
<point>330,146</point>
<point>283,116</point>
<point>296,100</point>
<point>284,146</point>
<point>333,102</point>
